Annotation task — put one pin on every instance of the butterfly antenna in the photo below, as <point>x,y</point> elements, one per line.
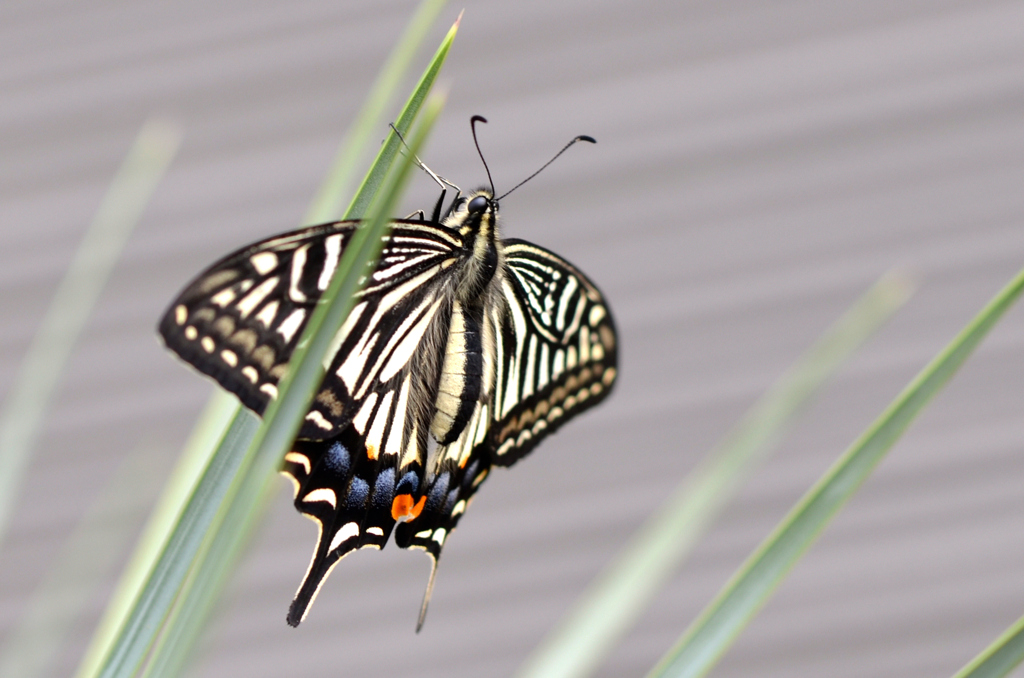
<point>582,137</point>
<point>472,123</point>
<point>428,592</point>
<point>441,181</point>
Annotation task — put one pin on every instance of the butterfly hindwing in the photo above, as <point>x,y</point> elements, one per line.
<point>456,471</point>
<point>354,499</point>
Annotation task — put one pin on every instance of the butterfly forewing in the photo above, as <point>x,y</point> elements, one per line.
<point>239,321</point>
<point>556,352</point>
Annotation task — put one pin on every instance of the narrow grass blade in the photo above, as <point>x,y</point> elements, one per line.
<point>211,427</point>
<point>388,152</point>
<point>147,613</point>
<point>621,593</point>
<point>84,561</point>
<point>999,658</point>
<point>720,623</point>
<point>283,417</point>
<point>123,656</point>
<point>371,121</point>
<point>119,212</point>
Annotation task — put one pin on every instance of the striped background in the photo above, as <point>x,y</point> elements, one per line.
<point>758,166</point>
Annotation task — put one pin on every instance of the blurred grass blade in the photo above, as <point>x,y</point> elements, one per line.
<point>284,416</point>
<point>221,551</point>
<point>137,629</point>
<point>213,423</point>
<point>148,610</point>
<point>388,152</point>
<point>88,557</point>
<point>370,122</point>
<point>119,212</point>
<point>621,593</point>
<point>720,623</point>
<point>999,658</point>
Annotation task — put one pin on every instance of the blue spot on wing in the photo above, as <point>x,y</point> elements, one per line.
<point>337,458</point>
<point>358,491</point>
<point>467,479</point>
<point>384,489</point>
<point>409,483</point>
<point>437,491</point>
<point>449,504</point>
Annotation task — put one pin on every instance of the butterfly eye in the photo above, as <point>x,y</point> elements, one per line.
<point>477,204</point>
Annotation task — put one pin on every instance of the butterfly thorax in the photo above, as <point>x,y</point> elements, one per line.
<point>466,377</point>
<point>475,219</point>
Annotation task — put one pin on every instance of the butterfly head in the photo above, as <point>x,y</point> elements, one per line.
<point>475,218</point>
<point>475,214</point>
<point>481,203</point>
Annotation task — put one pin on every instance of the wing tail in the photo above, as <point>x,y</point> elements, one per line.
<point>348,495</point>
<point>429,592</point>
<point>324,559</point>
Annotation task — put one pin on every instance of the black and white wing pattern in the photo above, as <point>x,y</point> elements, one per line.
<point>239,321</point>
<point>461,353</point>
<point>358,464</point>
<point>554,355</point>
<point>557,352</point>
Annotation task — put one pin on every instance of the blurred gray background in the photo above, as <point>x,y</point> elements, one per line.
<point>759,165</point>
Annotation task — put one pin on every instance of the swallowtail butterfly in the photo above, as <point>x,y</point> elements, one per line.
<point>463,351</point>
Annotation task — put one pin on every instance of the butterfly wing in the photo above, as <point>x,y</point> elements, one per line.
<point>556,350</point>
<point>552,353</point>
<point>548,353</point>
<point>449,492</point>
<point>239,321</point>
<point>358,463</point>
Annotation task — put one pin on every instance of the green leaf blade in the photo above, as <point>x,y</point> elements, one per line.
<point>999,658</point>
<point>620,594</point>
<point>146,616</point>
<point>389,151</point>
<point>213,424</point>
<point>707,639</point>
<point>371,120</point>
<point>122,654</point>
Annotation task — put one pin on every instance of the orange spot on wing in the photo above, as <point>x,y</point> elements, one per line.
<point>371,452</point>
<point>403,508</point>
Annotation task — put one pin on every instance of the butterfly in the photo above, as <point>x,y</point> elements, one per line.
<point>462,352</point>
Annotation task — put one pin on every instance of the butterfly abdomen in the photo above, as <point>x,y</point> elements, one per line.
<point>460,381</point>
